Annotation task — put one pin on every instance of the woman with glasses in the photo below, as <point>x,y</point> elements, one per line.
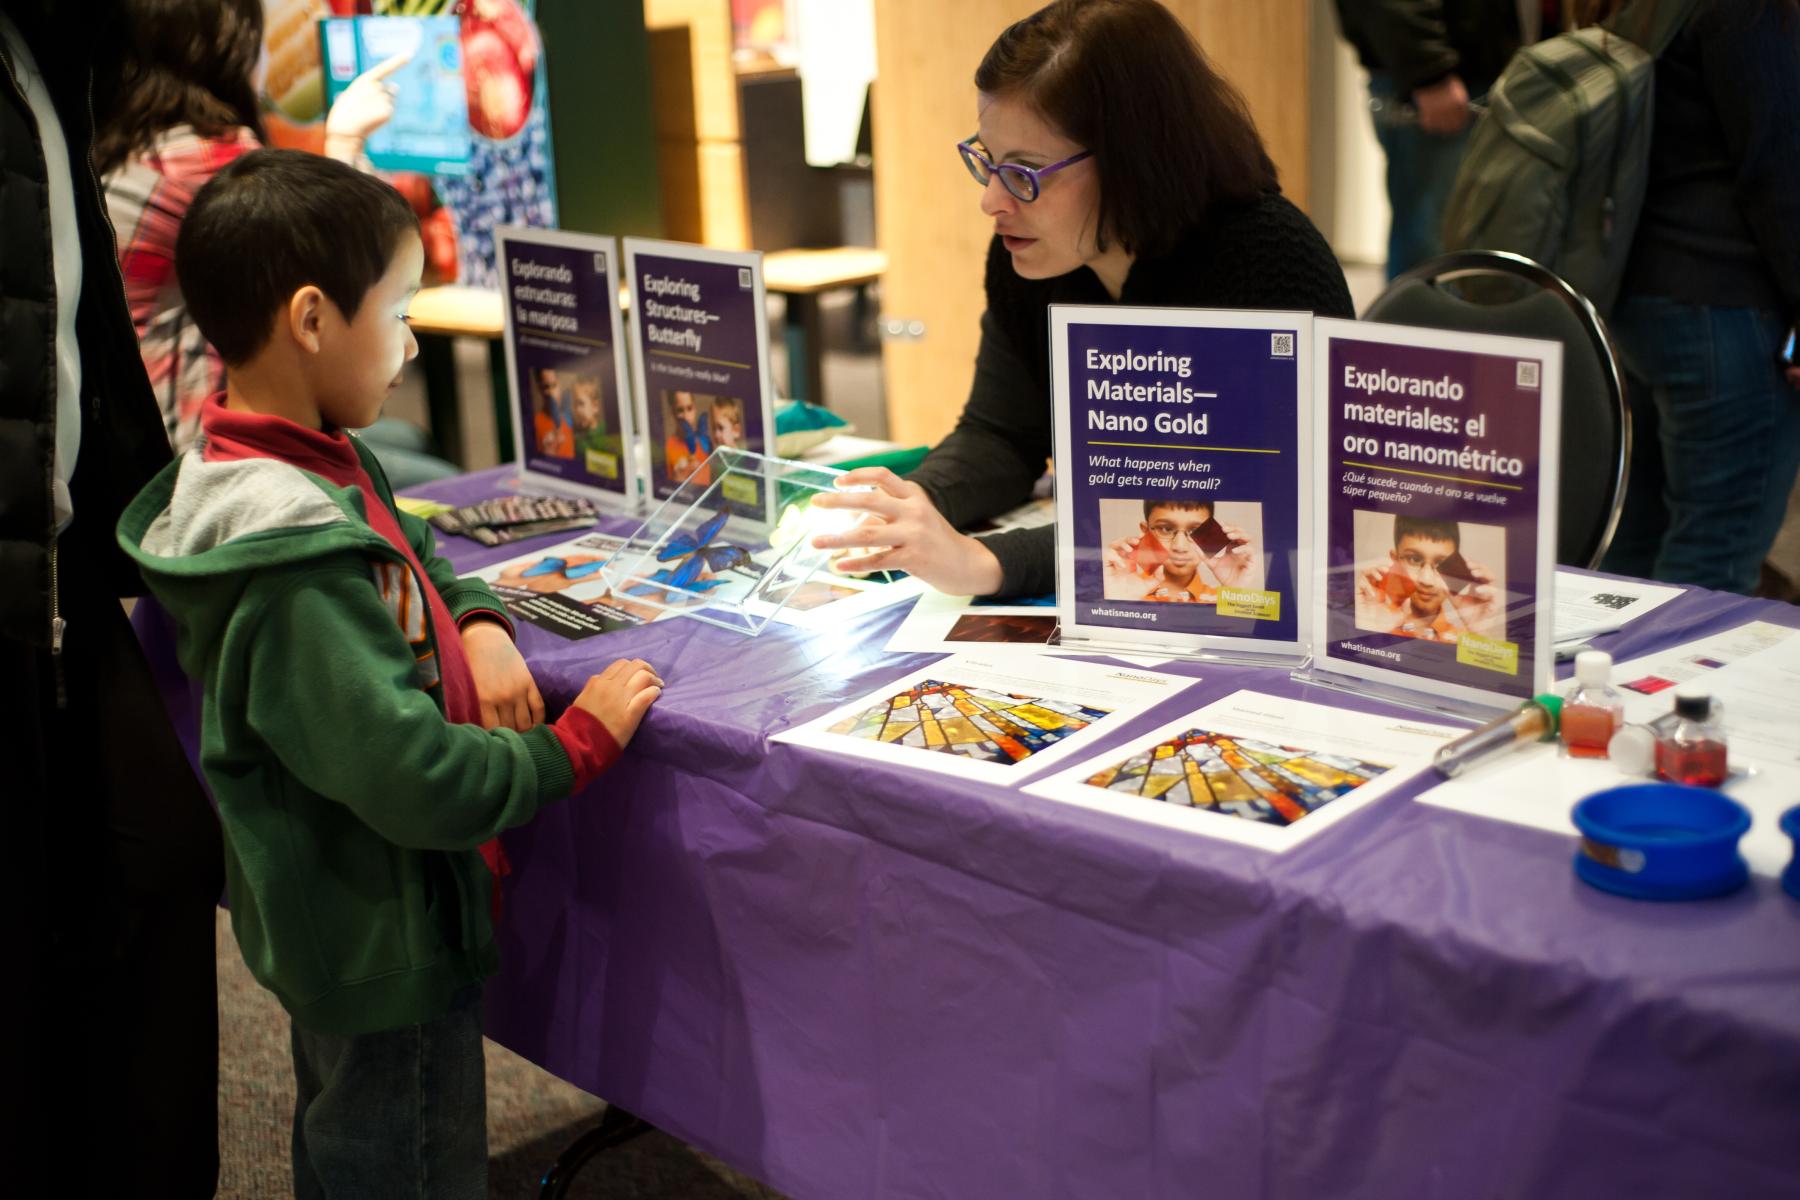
<point>1118,167</point>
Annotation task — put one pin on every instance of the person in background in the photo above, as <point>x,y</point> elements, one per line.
<point>1118,168</point>
<point>1427,60</point>
<point>182,106</point>
<point>1711,291</point>
<point>114,863</point>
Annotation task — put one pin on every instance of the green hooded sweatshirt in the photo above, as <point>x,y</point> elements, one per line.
<point>352,808</point>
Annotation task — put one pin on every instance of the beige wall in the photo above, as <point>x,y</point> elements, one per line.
<point>694,93</point>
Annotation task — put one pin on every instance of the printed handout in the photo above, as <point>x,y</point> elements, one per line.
<point>1253,768</point>
<point>1586,606</point>
<point>562,589</point>
<point>996,718</point>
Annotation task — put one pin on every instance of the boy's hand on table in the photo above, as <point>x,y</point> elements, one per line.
<point>509,696</point>
<point>619,696</point>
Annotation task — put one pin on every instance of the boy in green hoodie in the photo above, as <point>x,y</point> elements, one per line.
<point>367,724</point>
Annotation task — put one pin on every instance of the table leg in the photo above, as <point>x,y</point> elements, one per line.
<point>503,430</point>
<point>805,348</point>
<point>437,359</point>
<point>615,1129</point>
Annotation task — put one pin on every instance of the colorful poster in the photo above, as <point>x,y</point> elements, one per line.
<point>1262,770</point>
<point>998,718</point>
<point>1437,514</point>
<point>509,178</point>
<point>571,410</point>
<point>1182,468</point>
<point>429,131</point>
<point>700,336</point>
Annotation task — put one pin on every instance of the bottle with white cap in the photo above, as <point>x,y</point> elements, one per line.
<point>1593,711</point>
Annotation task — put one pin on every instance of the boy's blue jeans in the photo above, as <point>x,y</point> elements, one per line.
<point>402,1113</point>
<point>1715,442</point>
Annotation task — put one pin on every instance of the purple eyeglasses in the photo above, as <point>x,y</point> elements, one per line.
<point>1022,182</point>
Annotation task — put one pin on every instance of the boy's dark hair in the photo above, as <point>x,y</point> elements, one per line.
<point>273,222</point>
<point>1126,80</point>
<point>1178,506</point>
<point>1425,527</point>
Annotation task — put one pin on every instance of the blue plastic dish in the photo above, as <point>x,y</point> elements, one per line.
<point>1790,878</point>
<point>1661,841</point>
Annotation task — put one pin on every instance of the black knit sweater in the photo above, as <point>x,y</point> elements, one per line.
<point>1264,254</point>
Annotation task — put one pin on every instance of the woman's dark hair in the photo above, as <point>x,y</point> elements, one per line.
<point>1124,79</point>
<point>272,222</point>
<point>182,62</point>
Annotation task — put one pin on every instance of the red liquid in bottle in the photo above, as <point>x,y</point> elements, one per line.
<point>1699,763</point>
<point>1587,729</point>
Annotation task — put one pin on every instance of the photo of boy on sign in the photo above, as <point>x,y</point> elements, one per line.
<point>1181,552</point>
<point>1414,579</point>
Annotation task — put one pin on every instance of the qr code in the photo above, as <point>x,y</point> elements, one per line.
<point>599,262</point>
<point>1281,345</point>
<point>1527,374</point>
<point>744,277</point>
<point>1609,600</point>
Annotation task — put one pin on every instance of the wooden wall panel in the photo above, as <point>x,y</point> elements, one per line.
<point>694,88</point>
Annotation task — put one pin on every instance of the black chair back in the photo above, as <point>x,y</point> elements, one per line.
<point>1482,291</point>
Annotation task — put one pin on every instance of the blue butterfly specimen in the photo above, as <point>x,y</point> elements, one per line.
<point>696,554</point>
<point>699,542</point>
<point>686,576</point>
<point>686,543</point>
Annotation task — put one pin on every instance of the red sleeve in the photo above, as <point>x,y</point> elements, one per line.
<point>591,749</point>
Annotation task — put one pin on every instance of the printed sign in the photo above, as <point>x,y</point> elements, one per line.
<point>1437,514</point>
<point>1182,463</point>
<point>572,422</point>
<point>700,332</point>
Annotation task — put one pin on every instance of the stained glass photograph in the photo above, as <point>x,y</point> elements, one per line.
<point>1238,776</point>
<point>974,722</point>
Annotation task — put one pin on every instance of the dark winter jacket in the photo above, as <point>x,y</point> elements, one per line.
<point>1418,42</point>
<point>122,441</point>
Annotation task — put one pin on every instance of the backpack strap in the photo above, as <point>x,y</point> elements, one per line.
<point>1651,24</point>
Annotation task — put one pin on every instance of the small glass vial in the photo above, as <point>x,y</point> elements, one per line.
<point>1692,750</point>
<point>1593,712</point>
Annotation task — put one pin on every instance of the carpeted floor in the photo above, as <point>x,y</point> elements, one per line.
<point>532,1117</point>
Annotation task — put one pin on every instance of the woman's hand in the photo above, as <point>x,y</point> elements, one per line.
<point>509,695</point>
<point>903,531</point>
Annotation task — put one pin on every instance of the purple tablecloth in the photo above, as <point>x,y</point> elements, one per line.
<point>852,979</point>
